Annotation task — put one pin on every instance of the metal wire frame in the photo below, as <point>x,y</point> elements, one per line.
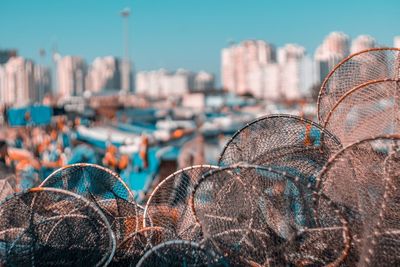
<point>5,187</point>
<point>288,116</point>
<point>367,250</point>
<point>133,247</point>
<point>327,79</point>
<point>182,247</point>
<point>106,170</point>
<point>148,221</point>
<point>130,196</point>
<point>328,119</point>
<point>102,219</point>
<point>328,165</point>
<point>390,191</point>
<point>294,179</point>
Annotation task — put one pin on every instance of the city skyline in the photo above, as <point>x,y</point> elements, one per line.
<point>251,66</point>
<point>183,35</point>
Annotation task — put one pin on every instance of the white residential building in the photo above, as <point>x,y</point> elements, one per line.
<point>335,47</point>
<point>292,77</point>
<point>396,41</point>
<point>71,72</point>
<point>42,76</point>
<point>17,82</point>
<point>298,72</point>
<point>104,73</point>
<point>203,81</point>
<point>161,83</point>
<point>362,42</point>
<point>265,82</point>
<point>239,61</point>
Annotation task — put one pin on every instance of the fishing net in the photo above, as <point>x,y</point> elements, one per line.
<point>289,143</point>
<point>180,253</point>
<point>133,247</point>
<point>357,69</point>
<point>5,187</point>
<point>168,205</point>
<point>257,215</point>
<point>104,188</point>
<point>368,110</point>
<point>384,245</point>
<point>357,179</point>
<point>48,226</point>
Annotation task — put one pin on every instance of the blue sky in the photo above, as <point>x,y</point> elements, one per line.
<point>185,33</point>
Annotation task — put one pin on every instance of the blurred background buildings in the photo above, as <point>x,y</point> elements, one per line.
<point>252,67</point>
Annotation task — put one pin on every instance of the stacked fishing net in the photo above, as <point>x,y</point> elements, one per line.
<point>47,226</point>
<point>359,103</point>
<point>59,217</point>
<point>363,180</point>
<point>106,190</point>
<point>360,97</point>
<point>258,215</point>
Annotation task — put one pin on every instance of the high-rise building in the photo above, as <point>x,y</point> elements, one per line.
<point>2,84</point>
<point>203,81</point>
<point>104,73</point>
<point>127,79</point>
<point>240,60</point>
<point>396,41</point>
<point>71,73</point>
<point>292,77</point>
<point>265,82</point>
<point>298,72</point>
<point>161,83</point>
<point>335,47</point>
<point>362,42</point>
<point>17,82</point>
<point>42,77</point>
<point>5,55</point>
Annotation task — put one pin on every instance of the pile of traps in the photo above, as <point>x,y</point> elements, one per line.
<point>287,192</point>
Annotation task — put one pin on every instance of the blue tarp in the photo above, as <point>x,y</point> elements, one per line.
<point>31,115</point>
<point>138,178</point>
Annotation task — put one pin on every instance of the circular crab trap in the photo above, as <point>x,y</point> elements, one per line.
<point>370,109</point>
<point>48,226</point>
<point>357,179</point>
<point>355,70</point>
<point>104,188</point>
<point>133,247</point>
<point>168,205</point>
<point>180,253</point>
<point>289,143</point>
<point>261,216</point>
<point>382,248</point>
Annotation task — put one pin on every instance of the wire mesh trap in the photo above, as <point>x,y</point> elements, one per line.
<point>104,188</point>
<point>168,205</point>
<point>289,143</point>
<point>180,253</point>
<point>257,215</point>
<point>5,187</point>
<point>48,226</point>
<point>355,70</point>
<point>133,247</point>
<point>359,179</point>
<point>370,109</point>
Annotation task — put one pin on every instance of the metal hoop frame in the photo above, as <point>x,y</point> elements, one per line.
<point>288,116</point>
<point>107,258</point>
<point>325,82</point>
<point>160,185</point>
<point>294,179</point>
